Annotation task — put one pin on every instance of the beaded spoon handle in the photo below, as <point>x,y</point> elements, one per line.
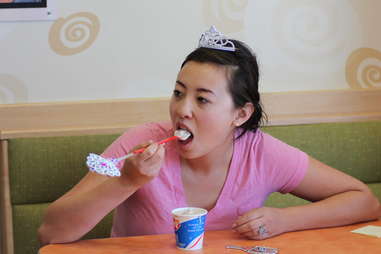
<point>255,249</point>
<point>104,166</point>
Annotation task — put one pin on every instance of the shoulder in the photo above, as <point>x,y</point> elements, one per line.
<point>256,140</point>
<point>264,147</point>
<point>274,161</point>
<point>266,142</point>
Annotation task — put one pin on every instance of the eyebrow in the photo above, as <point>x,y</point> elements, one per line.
<point>198,89</point>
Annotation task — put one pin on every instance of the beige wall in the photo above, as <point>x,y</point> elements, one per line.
<point>133,49</point>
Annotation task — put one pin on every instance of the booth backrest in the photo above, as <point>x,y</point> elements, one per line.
<point>42,169</point>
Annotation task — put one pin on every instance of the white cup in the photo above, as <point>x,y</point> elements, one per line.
<point>189,225</point>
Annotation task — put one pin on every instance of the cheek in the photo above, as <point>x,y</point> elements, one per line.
<point>215,124</point>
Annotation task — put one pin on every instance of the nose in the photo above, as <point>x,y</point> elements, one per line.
<point>184,108</point>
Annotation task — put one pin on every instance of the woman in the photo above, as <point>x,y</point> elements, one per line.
<point>228,166</point>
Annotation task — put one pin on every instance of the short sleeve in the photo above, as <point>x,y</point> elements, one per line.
<point>285,165</point>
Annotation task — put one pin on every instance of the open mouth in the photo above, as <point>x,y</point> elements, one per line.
<point>188,139</point>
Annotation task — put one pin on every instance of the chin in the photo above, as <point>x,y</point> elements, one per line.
<point>189,155</point>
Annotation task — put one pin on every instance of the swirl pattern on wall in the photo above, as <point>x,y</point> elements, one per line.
<point>227,15</point>
<point>363,68</point>
<point>74,34</point>
<point>12,90</point>
<point>313,30</point>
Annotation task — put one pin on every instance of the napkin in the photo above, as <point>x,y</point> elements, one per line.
<point>369,230</point>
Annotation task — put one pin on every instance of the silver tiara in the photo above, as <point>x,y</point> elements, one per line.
<point>215,40</point>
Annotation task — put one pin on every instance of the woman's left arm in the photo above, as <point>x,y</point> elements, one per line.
<point>337,199</point>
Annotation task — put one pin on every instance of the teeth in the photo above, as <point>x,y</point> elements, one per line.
<point>182,134</point>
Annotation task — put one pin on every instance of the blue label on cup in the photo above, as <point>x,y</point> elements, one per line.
<point>190,233</point>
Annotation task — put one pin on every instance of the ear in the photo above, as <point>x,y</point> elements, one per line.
<point>243,114</point>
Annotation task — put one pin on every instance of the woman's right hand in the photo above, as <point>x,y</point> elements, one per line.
<point>96,195</point>
<point>142,168</point>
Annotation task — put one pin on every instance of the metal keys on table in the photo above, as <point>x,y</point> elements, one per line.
<point>255,249</point>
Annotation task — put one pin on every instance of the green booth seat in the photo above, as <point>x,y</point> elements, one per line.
<point>42,169</point>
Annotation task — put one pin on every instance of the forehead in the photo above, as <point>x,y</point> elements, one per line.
<point>204,75</point>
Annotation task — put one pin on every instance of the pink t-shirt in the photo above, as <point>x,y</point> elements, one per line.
<point>261,165</point>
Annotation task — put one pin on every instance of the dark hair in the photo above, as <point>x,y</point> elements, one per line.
<point>243,79</point>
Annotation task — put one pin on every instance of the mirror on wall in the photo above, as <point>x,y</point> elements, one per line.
<point>27,10</point>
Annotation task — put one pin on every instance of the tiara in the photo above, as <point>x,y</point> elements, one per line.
<point>215,40</point>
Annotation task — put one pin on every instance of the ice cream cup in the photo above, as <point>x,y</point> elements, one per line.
<point>189,225</point>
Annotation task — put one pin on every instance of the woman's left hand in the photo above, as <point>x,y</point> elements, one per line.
<point>261,223</point>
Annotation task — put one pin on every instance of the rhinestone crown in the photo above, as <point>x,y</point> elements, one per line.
<point>215,40</point>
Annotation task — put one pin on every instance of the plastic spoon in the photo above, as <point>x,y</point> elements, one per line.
<point>103,166</point>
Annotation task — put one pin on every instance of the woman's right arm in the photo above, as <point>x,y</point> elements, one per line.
<point>79,210</point>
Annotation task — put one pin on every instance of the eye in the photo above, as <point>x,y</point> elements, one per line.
<point>202,100</point>
<point>177,93</point>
